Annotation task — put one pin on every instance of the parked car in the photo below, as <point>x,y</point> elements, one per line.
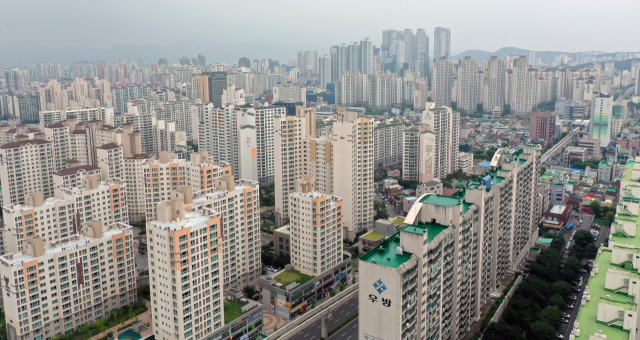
<point>566,315</point>
<point>565,320</point>
<point>571,306</point>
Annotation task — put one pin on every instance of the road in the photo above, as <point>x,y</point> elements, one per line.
<point>142,261</point>
<point>341,314</point>
<point>265,238</point>
<point>604,234</point>
<point>390,209</point>
<point>626,93</point>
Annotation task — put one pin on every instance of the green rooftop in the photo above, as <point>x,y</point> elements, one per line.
<point>398,220</point>
<point>372,236</point>
<point>588,314</point>
<point>441,200</point>
<point>232,311</point>
<point>431,229</point>
<point>621,238</point>
<point>287,278</point>
<point>628,171</point>
<point>385,253</point>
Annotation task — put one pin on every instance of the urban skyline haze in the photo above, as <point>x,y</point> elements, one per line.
<point>117,29</point>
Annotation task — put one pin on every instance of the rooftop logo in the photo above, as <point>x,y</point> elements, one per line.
<point>379,286</point>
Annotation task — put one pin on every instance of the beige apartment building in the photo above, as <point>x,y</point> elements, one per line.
<point>315,232</point>
<point>238,204</point>
<point>185,256</point>
<point>26,165</point>
<point>339,163</point>
<point>54,286</point>
<point>61,216</point>
<point>165,175</point>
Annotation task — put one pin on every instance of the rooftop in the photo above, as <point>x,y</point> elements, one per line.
<point>71,171</point>
<point>588,314</point>
<point>372,236</point>
<point>431,229</point>
<point>287,278</point>
<point>385,253</point>
<point>232,311</point>
<point>441,200</point>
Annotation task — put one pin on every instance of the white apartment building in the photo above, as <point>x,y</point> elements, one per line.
<point>70,281</point>
<point>601,117</point>
<point>169,137</point>
<point>61,216</point>
<point>26,165</point>
<point>444,124</point>
<point>388,144</point>
<point>165,175</point>
<point>339,163</point>
<point>290,93</point>
<point>467,86</point>
<point>493,95</point>
<point>441,83</point>
<point>110,161</point>
<point>465,161</point>
<point>72,176</point>
<point>103,114</point>
<point>185,274</point>
<point>136,187</point>
<point>410,142</point>
<point>451,254</point>
<point>238,204</point>
<point>316,232</point>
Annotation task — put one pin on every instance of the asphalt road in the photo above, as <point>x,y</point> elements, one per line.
<point>265,238</point>
<point>312,332</point>
<point>604,234</point>
<point>390,209</point>
<point>142,261</point>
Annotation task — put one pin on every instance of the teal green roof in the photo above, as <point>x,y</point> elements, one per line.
<point>441,200</point>
<point>431,229</point>
<point>544,241</point>
<point>385,253</point>
<point>465,207</point>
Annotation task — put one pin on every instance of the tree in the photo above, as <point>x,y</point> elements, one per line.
<point>490,153</point>
<point>558,301</point>
<point>249,291</point>
<point>381,209</point>
<point>543,169</point>
<point>561,288</point>
<point>558,242</point>
<point>610,216</point>
<point>502,330</point>
<point>584,245</point>
<point>541,330</point>
<point>596,209</point>
<point>564,134</point>
<point>551,314</point>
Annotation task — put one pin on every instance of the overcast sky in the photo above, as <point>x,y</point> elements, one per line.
<point>70,30</point>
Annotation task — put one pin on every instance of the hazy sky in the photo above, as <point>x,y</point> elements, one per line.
<point>71,30</point>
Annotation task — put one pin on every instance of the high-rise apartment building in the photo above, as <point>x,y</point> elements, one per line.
<point>467,86</point>
<point>432,256</point>
<point>601,114</point>
<point>238,203</point>
<point>388,144</point>
<point>324,69</point>
<point>244,62</point>
<point>366,56</point>
<point>17,80</point>
<point>166,174</point>
<point>422,52</point>
<point>431,148</point>
<point>186,271</point>
<point>441,43</point>
<point>542,125</point>
<point>492,94</point>
<point>97,257</point>
<point>339,163</point>
<point>215,83</point>
<point>315,232</point>
<point>465,162</point>
<point>441,83</point>
<point>520,86</point>
<point>26,165</point>
<point>290,93</point>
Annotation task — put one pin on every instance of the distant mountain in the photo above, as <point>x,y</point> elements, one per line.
<point>484,55</point>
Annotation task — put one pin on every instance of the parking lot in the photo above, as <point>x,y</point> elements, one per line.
<point>600,234</point>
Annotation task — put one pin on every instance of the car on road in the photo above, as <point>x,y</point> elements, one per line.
<point>565,320</point>
<point>559,336</point>
<point>566,315</point>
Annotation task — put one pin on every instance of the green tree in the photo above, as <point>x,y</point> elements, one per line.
<point>558,301</point>
<point>552,315</point>
<point>558,242</point>
<point>381,209</point>
<point>610,216</point>
<point>561,288</point>
<point>541,330</point>
<point>502,330</point>
<point>543,169</point>
<point>249,291</point>
<point>596,209</point>
<point>584,245</point>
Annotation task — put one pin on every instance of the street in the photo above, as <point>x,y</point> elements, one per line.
<point>390,210</point>
<point>141,261</point>
<point>338,316</point>
<point>265,238</point>
<point>565,328</point>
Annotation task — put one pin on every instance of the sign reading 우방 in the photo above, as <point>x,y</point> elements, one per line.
<point>380,288</point>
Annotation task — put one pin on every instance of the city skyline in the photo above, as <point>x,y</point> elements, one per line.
<point>28,44</point>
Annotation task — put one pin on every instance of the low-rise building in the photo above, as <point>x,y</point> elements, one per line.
<point>282,241</point>
<point>558,217</point>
